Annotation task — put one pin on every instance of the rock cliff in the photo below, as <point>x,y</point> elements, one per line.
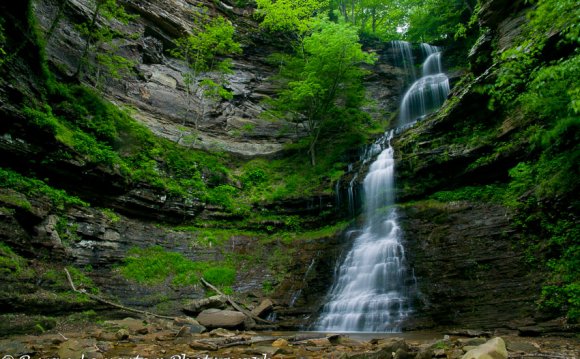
<point>470,269</point>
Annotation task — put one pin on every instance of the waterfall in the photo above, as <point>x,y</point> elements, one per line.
<point>369,294</point>
<point>404,57</point>
<point>429,92</point>
<point>374,288</point>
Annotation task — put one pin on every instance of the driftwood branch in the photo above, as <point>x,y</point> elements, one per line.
<point>105,301</point>
<point>234,304</point>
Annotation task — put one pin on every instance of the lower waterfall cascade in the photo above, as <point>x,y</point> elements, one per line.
<point>374,287</point>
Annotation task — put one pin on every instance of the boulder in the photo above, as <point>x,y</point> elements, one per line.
<point>280,343</point>
<point>320,342</point>
<point>81,348</point>
<point>263,309</point>
<point>197,306</point>
<point>122,334</point>
<point>492,349</point>
<point>215,318</point>
<point>191,324</point>
<point>198,345</point>
<point>134,326</point>
<point>471,341</point>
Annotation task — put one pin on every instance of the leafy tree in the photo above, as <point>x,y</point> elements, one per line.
<point>324,80</point>
<point>2,42</point>
<point>416,20</point>
<point>377,17</point>
<point>296,17</point>
<point>545,90</point>
<point>289,15</point>
<point>203,51</point>
<point>434,20</point>
<point>100,40</point>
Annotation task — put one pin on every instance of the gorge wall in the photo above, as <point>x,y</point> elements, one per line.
<point>469,266</point>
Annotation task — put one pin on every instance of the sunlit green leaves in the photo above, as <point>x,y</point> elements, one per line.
<point>289,15</point>
<point>201,48</point>
<point>551,16</point>
<point>325,76</point>
<point>100,40</point>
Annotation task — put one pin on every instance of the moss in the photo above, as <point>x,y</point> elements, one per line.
<point>15,199</point>
<point>35,187</point>
<point>485,194</point>
<point>57,282</point>
<point>154,265</point>
<point>111,215</point>
<point>12,265</point>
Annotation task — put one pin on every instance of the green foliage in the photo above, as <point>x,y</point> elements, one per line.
<point>555,15</point>
<point>34,187</point>
<point>55,279</point>
<point>201,51</point>
<point>11,264</point>
<point>154,265</point>
<point>552,236</point>
<point>323,81</point>
<point>220,276</point>
<point>267,287</point>
<point>433,20</point>
<point>289,15</point>
<point>15,199</point>
<point>441,345</point>
<point>102,134</point>
<point>2,43</point>
<point>102,40</point>
<point>67,231</point>
<point>222,195</point>
<point>111,215</point>
<point>486,193</point>
<point>254,177</point>
<point>413,20</point>
<point>81,280</point>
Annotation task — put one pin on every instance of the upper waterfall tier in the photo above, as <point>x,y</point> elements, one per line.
<point>428,93</point>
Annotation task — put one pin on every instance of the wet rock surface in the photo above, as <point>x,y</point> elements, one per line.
<point>156,88</point>
<point>466,260</point>
<point>164,339</point>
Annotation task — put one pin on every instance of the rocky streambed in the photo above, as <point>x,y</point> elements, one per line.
<point>178,338</point>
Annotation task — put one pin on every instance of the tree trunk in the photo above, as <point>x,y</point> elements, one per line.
<point>312,153</point>
<point>84,56</point>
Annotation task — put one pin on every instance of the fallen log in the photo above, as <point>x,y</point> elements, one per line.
<point>234,304</point>
<point>105,301</point>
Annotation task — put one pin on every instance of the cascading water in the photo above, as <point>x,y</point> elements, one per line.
<point>404,58</point>
<point>369,294</point>
<point>374,288</point>
<point>429,92</point>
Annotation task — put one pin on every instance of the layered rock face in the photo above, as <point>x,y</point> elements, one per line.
<point>470,265</point>
<point>156,88</point>
<point>471,271</point>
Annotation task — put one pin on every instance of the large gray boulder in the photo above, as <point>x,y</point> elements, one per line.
<point>198,305</point>
<point>263,309</point>
<point>492,349</point>
<point>215,318</point>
